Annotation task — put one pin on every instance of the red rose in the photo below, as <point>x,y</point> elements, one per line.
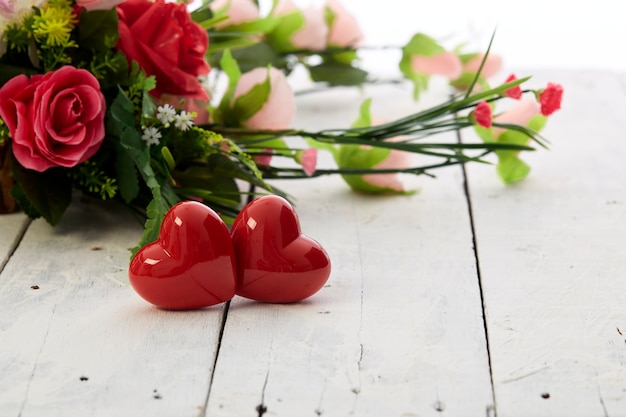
<point>166,43</point>
<point>55,119</point>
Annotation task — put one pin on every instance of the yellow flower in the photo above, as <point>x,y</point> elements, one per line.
<point>55,23</point>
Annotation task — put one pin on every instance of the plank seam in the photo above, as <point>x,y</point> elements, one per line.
<point>217,355</point>
<point>16,243</point>
<point>470,212</point>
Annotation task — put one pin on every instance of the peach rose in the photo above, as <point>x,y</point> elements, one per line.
<point>520,113</point>
<point>345,31</point>
<point>447,64</point>
<point>312,36</point>
<point>493,64</point>
<point>239,11</point>
<point>280,107</point>
<point>395,160</point>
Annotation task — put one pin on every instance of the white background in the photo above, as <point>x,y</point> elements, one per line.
<point>530,34</point>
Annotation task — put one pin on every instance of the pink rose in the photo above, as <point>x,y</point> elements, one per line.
<point>280,108</point>
<point>344,31</point>
<point>239,11</point>
<point>166,43</point>
<point>312,36</point>
<point>56,119</point>
<point>98,4</point>
<point>444,63</point>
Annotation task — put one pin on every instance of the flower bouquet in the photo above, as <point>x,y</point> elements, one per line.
<point>118,100</point>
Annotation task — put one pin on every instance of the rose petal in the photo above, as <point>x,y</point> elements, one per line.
<point>520,113</point>
<point>493,64</point>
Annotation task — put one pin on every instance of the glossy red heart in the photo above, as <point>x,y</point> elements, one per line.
<point>276,263</point>
<point>192,263</point>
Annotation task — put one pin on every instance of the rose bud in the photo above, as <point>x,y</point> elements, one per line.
<point>279,108</point>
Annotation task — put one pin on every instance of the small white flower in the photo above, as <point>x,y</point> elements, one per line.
<point>166,114</point>
<point>151,135</point>
<point>184,121</point>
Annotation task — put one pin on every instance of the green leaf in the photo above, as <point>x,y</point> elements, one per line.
<point>158,207</point>
<point>22,201</point>
<point>202,15</point>
<point>419,45</point>
<point>231,69</point>
<point>97,29</point>
<point>333,149</point>
<point>365,115</point>
<point>288,25</point>
<point>223,42</point>
<point>248,104</point>
<point>278,145</point>
<point>259,26</point>
<point>335,73</point>
<point>122,113</point>
<point>510,167</point>
<point>357,156</point>
<point>130,143</point>
<point>465,81</point>
<point>126,175</point>
<point>48,193</point>
<point>258,55</point>
<point>213,181</point>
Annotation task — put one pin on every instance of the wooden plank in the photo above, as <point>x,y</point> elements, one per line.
<point>397,331</point>
<point>12,227</point>
<point>83,343</point>
<point>552,263</point>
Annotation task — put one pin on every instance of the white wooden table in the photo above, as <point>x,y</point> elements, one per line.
<point>499,301</point>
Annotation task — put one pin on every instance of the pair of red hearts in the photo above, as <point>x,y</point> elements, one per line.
<point>196,262</point>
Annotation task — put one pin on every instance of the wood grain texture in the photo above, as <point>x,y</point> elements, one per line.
<point>81,342</point>
<point>551,253</point>
<point>397,331</point>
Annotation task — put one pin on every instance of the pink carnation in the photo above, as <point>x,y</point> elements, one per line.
<point>309,161</point>
<point>483,114</point>
<point>550,98</point>
<point>513,92</point>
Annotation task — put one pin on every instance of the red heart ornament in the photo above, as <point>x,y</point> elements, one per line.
<point>192,263</point>
<point>276,263</point>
